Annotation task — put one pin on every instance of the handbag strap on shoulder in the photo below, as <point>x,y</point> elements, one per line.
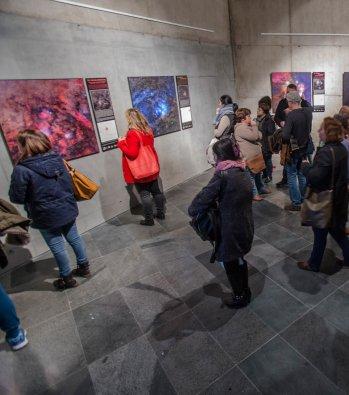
<point>333,167</point>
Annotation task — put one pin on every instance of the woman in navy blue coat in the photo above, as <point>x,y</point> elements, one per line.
<point>42,183</point>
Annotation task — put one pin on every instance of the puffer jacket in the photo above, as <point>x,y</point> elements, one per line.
<point>44,186</point>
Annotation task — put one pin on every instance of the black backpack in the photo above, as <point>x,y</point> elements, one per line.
<point>275,141</point>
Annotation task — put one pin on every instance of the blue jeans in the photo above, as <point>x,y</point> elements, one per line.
<point>257,183</point>
<point>9,322</point>
<point>296,181</point>
<point>320,239</point>
<point>55,240</point>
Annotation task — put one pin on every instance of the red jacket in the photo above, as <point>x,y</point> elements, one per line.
<point>130,149</point>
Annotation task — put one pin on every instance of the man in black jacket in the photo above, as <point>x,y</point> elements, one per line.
<point>280,118</point>
<point>296,133</point>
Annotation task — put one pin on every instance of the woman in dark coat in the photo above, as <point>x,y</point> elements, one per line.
<point>319,179</point>
<point>231,189</point>
<point>42,183</point>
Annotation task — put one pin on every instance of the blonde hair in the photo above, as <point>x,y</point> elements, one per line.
<point>137,121</point>
<point>33,142</point>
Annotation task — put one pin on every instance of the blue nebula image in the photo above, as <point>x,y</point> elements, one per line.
<point>156,98</point>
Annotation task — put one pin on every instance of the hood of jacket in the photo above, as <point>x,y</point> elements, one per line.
<point>48,165</point>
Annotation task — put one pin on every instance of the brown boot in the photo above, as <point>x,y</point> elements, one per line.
<point>82,271</point>
<point>65,282</point>
<point>306,266</point>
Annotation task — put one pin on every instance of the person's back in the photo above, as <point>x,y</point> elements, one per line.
<point>49,198</point>
<point>298,125</point>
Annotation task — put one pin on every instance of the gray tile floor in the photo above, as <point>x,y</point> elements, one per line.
<point>151,319</point>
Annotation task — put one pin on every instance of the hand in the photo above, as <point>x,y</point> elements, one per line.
<point>282,124</point>
<point>287,110</point>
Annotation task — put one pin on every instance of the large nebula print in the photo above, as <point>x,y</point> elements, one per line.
<point>59,108</point>
<point>156,98</point>
<point>280,80</point>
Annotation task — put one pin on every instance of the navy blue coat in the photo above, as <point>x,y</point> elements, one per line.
<point>232,189</point>
<point>44,186</point>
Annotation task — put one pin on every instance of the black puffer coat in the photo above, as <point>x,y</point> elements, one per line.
<point>232,190</point>
<point>319,178</point>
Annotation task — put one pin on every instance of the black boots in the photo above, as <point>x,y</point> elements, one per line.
<point>65,282</point>
<point>238,277</point>
<point>82,271</point>
<point>147,222</point>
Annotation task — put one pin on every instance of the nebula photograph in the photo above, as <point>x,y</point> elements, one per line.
<point>156,98</point>
<point>57,107</point>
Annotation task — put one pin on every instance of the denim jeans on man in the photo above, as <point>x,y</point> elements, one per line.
<point>55,240</point>
<point>9,322</point>
<point>258,186</point>
<point>320,239</point>
<point>295,179</point>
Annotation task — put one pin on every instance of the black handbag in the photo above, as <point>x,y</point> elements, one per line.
<point>317,207</point>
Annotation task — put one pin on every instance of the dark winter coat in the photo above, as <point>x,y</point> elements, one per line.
<point>44,186</point>
<point>266,126</point>
<point>280,115</point>
<point>232,190</point>
<point>319,178</point>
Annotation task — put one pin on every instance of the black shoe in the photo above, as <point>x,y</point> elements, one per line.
<point>267,180</point>
<point>147,222</point>
<point>65,282</point>
<point>281,184</point>
<point>238,301</point>
<point>160,216</point>
<point>82,271</point>
<point>292,207</point>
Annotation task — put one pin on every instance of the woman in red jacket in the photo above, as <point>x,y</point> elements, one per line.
<point>139,130</point>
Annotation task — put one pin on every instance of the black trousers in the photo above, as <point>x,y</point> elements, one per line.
<point>237,273</point>
<point>147,190</point>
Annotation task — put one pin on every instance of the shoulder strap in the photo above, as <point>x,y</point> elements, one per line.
<point>333,167</point>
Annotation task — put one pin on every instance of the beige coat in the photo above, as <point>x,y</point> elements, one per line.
<point>223,124</point>
<point>248,138</point>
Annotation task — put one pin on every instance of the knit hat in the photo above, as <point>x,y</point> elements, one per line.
<point>293,97</point>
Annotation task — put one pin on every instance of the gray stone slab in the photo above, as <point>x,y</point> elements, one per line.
<point>162,250</point>
<point>277,369</point>
<point>335,309</point>
<point>190,357</point>
<point>140,232</point>
<point>153,301</point>
<point>234,382</point>
<point>269,210</point>
<point>292,222</point>
<point>239,332</point>
<point>38,302</point>
<point>76,383</point>
<point>100,283</point>
<point>204,258</point>
<point>175,218</point>
<point>204,178</point>
<point>263,255</point>
<point>272,304</point>
<point>110,237</point>
<point>281,238</point>
<point>306,286</point>
<point>132,369</point>
<point>323,345</point>
<point>104,325</point>
<point>128,265</point>
<point>54,351</point>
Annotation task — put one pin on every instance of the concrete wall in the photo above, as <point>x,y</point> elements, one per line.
<point>207,14</point>
<point>256,56</point>
<point>43,48</point>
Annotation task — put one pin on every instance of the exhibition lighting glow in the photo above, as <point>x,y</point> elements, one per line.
<point>306,34</point>
<point>111,11</point>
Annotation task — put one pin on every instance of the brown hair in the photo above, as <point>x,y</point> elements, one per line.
<point>137,121</point>
<point>344,111</point>
<point>265,107</point>
<point>333,130</point>
<point>33,142</point>
<point>241,114</point>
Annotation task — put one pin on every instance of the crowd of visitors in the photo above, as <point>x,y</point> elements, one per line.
<point>241,152</point>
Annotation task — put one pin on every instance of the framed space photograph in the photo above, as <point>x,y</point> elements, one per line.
<point>280,80</point>
<point>156,98</point>
<point>346,89</point>
<point>57,107</point>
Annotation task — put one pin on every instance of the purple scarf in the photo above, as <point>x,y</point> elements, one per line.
<point>227,164</point>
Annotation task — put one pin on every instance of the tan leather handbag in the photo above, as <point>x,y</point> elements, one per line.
<point>256,164</point>
<point>317,207</point>
<point>84,188</point>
